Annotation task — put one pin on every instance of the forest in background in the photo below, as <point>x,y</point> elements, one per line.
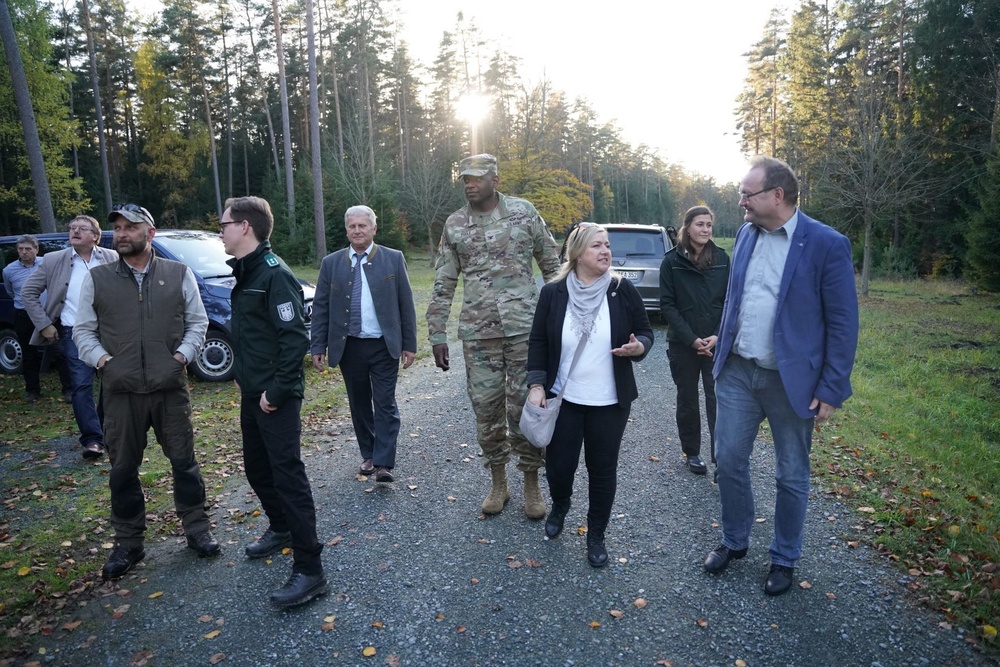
<point>889,111</point>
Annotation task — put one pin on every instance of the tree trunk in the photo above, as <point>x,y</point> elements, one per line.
<point>98,109</point>
<point>317,166</point>
<point>215,156</point>
<point>866,262</point>
<point>32,143</point>
<point>285,122</point>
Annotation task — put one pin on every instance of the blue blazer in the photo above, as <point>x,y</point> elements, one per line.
<point>816,324</point>
<point>385,270</point>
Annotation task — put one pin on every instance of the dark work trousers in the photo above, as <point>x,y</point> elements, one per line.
<point>127,420</point>
<point>370,375</point>
<point>31,360</point>
<point>598,430</point>
<point>272,457</point>
<point>687,367</point>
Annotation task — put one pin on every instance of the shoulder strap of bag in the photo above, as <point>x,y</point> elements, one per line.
<point>577,354</point>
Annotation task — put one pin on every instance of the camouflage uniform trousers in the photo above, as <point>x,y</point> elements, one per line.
<point>496,372</point>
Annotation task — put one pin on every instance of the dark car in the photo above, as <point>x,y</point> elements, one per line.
<point>202,251</point>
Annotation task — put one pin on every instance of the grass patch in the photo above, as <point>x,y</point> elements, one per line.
<point>916,447</point>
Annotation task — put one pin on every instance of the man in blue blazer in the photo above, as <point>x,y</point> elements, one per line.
<point>364,320</point>
<point>785,352</point>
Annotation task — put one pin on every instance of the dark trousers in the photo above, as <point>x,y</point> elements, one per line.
<point>31,360</point>
<point>687,367</point>
<point>128,419</point>
<point>598,430</point>
<point>370,375</point>
<point>272,457</point>
<point>89,415</point>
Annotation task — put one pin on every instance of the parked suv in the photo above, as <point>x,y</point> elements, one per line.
<point>636,253</point>
<point>202,251</point>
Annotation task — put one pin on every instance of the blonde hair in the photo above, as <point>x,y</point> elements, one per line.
<point>576,244</point>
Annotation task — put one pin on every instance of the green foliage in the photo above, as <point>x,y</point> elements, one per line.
<point>560,197</point>
<point>982,233</point>
<point>34,27</point>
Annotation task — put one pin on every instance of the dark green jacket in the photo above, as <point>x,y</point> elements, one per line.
<point>691,300</point>
<point>269,331</point>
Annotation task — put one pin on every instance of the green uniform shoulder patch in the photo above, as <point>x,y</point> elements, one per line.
<point>272,260</point>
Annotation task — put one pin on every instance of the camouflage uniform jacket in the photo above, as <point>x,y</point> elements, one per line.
<point>494,258</point>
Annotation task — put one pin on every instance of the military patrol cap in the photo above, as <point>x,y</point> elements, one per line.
<point>477,165</point>
<point>132,213</point>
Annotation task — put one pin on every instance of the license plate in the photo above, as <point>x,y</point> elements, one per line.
<point>631,275</point>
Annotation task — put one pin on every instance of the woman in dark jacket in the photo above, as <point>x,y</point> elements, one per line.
<point>693,279</point>
<point>587,297</point>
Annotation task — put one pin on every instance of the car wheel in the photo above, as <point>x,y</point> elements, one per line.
<point>215,361</point>
<point>10,352</point>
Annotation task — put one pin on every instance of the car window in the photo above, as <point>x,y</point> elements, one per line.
<point>204,253</point>
<point>627,242</point>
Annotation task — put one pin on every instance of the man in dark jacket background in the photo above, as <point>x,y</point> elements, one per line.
<point>139,321</point>
<point>270,337</point>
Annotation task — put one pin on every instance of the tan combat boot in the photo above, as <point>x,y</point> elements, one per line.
<point>534,505</point>
<point>499,494</point>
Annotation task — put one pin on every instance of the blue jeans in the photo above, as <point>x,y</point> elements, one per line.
<point>89,416</point>
<point>747,394</point>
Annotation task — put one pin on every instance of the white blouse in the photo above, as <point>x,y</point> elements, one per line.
<point>593,379</point>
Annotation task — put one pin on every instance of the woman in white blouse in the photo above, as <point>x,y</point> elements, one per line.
<point>587,298</point>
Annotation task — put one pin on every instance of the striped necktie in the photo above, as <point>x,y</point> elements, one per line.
<point>355,326</point>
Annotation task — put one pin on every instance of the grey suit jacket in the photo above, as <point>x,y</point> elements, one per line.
<point>385,270</point>
<point>53,277</point>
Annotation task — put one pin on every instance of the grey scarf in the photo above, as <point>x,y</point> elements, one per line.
<point>584,300</point>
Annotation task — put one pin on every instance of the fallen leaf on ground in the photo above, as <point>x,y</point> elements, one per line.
<point>654,459</point>
<point>594,625</point>
<point>740,663</point>
<point>376,624</point>
<point>368,651</point>
<point>640,603</point>
<point>831,596</point>
<point>217,658</point>
<point>514,564</point>
<point>157,594</point>
<point>617,613</point>
<point>473,581</point>
<point>530,562</point>
<point>460,629</point>
<point>205,618</point>
<point>702,623</point>
<point>805,584</point>
<point>213,634</point>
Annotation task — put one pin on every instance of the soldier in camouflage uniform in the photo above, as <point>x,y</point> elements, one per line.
<point>490,243</point>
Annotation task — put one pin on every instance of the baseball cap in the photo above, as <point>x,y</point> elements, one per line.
<point>132,213</point>
<point>477,165</point>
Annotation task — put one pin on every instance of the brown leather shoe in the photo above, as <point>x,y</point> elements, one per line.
<point>384,475</point>
<point>367,467</point>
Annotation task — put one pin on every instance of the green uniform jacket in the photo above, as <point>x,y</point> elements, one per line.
<point>269,330</point>
<point>691,300</point>
<point>494,259</point>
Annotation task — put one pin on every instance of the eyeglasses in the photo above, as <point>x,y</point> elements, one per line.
<point>223,223</point>
<point>80,228</point>
<point>750,195</point>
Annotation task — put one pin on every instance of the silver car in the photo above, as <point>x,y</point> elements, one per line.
<point>636,253</point>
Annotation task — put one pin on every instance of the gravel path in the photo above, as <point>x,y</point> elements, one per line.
<point>417,575</point>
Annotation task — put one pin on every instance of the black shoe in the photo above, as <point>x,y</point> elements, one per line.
<point>93,450</point>
<point>68,396</point>
<point>779,579</point>
<point>597,553</point>
<point>718,560</point>
<point>384,475</point>
<point>121,561</point>
<point>31,397</point>
<point>204,544</point>
<point>268,543</point>
<point>299,589</point>
<point>556,519</point>
<point>696,465</point>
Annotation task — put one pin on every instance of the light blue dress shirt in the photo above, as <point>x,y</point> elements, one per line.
<point>369,320</point>
<point>755,324</point>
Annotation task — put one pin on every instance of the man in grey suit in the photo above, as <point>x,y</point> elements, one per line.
<point>60,277</point>
<point>364,320</point>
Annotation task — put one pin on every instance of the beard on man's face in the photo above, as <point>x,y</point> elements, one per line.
<point>130,248</point>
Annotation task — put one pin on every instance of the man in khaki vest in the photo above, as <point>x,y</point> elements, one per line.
<point>139,322</point>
